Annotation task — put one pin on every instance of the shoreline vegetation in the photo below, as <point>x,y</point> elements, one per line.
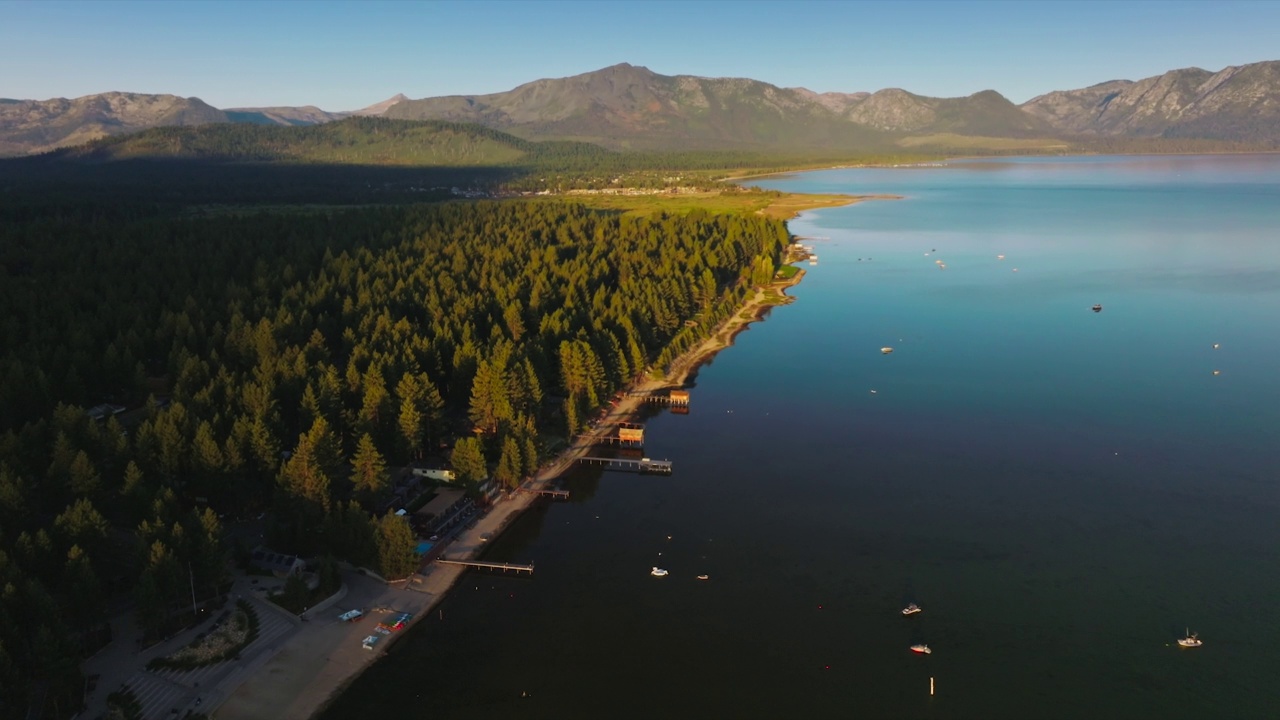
<point>280,693</point>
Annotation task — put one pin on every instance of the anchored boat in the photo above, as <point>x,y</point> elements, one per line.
<point>1190,641</point>
<point>658,572</point>
<point>922,649</point>
<point>912,609</point>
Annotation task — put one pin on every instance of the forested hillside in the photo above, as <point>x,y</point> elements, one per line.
<point>358,160</point>
<point>298,355</point>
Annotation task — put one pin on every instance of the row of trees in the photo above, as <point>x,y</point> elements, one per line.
<point>303,354</point>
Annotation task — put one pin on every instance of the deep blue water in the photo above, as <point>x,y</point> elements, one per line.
<point>1063,491</point>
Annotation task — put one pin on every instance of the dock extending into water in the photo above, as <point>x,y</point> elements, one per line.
<point>641,465</point>
<point>547,492</point>
<point>517,567</point>
<point>675,398</point>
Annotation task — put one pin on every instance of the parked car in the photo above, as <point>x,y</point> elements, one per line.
<point>351,616</point>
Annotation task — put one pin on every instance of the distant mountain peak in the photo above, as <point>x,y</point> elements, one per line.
<point>1239,102</point>
<point>39,125</point>
<point>378,109</point>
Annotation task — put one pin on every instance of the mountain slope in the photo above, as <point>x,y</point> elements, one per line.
<point>625,107</point>
<point>1236,103</point>
<point>306,115</point>
<point>632,107</point>
<point>366,141</point>
<point>28,126</point>
<point>379,109</point>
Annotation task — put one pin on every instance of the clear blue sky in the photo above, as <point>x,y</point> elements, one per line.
<point>343,56</point>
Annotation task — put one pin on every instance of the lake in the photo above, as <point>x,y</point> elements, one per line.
<point>1064,492</point>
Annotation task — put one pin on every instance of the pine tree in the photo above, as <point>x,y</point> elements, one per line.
<point>490,402</point>
<point>510,464</point>
<point>468,460</point>
<point>304,476</point>
<point>84,478</point>
<point>395,547</point>
<point>374,399</point>
<point>326,447</point>
<point>369,471</point>
<point>411,421</point>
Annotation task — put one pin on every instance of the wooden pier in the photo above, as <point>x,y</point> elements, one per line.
<point>612,440</point>
<point>641,465</point>
<point>547,492</point>
<point>675,398</point>
<point>626,434</point>
<point>517,567</point>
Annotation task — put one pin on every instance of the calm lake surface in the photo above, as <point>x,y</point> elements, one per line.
<point>1064,492</point>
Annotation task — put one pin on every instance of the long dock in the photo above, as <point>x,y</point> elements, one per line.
<point>490,565</point>
<point>547,492</point>
<point>676,398</point>
<point>642,465</point>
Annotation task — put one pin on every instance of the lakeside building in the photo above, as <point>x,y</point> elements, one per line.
<point>435,473</point>
<point>103,411</point>
<point>441,513</point>
<point>279,564</point>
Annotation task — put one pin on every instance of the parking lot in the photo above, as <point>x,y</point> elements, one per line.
<point>169,693</point>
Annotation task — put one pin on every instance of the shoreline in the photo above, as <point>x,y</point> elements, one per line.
<point>305,692</point>
<point>736,179</point>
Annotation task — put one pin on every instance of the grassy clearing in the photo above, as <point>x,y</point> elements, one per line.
<point>781,206</point>
<point>219,645</point>
<point>952,141</point>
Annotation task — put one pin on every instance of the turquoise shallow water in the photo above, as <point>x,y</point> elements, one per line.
<point>1062,491</point>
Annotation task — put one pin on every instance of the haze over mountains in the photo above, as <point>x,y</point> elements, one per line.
<point>630,107</point>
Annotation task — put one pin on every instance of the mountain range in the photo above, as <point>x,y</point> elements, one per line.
<point>631,107</point>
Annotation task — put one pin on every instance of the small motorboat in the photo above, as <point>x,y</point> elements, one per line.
<point>1217,372</point>
<point>999,257</point>
<point>703,577</point>
<point>912,609</point>
<point>658,572</point>
<point>924,649</point>
<point>886,350</point>
<point>1216,346</point>
<point>1097,308</point>
<point>1190,640</point>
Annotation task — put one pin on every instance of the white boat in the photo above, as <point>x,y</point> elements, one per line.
<point>886,350</point>
<point>703,577</point>
<point>912,609</point>
<point>658,572</point>
<point>922,649</point>
<point>1190,640</point>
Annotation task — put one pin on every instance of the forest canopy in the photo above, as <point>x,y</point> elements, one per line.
<point>283,361</point>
